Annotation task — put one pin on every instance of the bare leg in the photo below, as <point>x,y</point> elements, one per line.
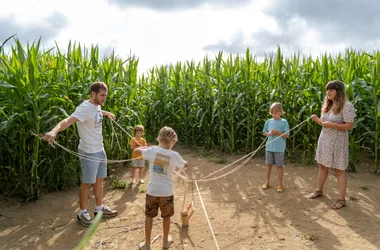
<point>342,183</point>
<point>280,173</point>
<point>166,227</point>
<point>322,176</point>
<point>148,230</point>
<point>83,193</point>
<point>133,173</point>
<point>141,170</point>
<point>98,191</point>
<point>268,171</point>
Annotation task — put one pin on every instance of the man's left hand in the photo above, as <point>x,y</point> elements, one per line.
<point>111,116</point>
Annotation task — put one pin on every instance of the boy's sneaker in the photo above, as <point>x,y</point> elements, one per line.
<point>167,244</point>
<point>280,189</point>
<point>142,246</point>
<point>142,181</point>
<point>85,219</point>
<point>107,212</point>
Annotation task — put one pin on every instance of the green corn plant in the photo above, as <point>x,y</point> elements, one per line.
<point>220,103</point>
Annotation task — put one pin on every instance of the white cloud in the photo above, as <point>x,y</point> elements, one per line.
<point>155,37</point>
<point>161,35</point>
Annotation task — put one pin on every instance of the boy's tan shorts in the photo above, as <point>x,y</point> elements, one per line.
<point>166,205</point>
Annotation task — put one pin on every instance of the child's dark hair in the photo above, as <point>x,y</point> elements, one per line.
<point>138,128</point>
<point>167,135</point>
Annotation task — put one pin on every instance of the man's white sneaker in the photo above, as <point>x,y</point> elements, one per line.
<point>85,219</point>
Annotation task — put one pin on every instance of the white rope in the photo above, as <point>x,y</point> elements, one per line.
<point>88,157</point>
<point>186,177</point>
<point>114,132</point>
<point>250,155</point>
<point>185,189</point>
<point>184,201</point>
<point>208,221</point>
<point>91,158</point>
<point>125,131</point>
<point>229,172</point>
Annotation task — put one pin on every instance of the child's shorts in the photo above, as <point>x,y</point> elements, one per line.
<point>274,158</point>
<point>166,205</point>
<point>138,163</point>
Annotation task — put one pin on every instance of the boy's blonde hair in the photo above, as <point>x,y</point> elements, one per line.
<point>138,128</point>
<point>276,107</point>
<point>167,135</point>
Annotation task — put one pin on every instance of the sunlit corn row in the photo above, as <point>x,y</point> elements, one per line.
<point>223,102</point>
<point>218,103</point>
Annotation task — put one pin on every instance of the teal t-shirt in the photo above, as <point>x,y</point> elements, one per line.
<point>279,144</point>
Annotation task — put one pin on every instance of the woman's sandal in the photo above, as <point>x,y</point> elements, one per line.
<point>338,204</point>
<point>316,195</point>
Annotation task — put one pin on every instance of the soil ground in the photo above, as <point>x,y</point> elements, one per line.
<point>242,215</point>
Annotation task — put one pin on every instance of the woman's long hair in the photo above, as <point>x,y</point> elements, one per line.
<point>340,97</point>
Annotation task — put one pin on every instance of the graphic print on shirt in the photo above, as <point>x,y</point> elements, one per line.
<point>98,119</point>
<point>161,163</point>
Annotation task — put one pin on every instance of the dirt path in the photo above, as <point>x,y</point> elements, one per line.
<point>243,216</point>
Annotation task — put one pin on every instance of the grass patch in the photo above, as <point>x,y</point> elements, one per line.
<point>222,159</point>
<point>142,189</point>
<point>353,198</point>
<point>116,183</point>
<point>310,237</point>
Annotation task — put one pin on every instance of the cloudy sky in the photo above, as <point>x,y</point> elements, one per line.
<point>167,31</point>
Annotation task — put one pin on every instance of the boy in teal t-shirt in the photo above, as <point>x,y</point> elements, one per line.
<point>275,148</point>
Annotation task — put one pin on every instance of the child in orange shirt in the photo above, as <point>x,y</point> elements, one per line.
<point>137,161</point>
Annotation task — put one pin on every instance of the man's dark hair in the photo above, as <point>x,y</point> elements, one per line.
<point>97,86</point>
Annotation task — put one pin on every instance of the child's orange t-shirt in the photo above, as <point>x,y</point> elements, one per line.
<point>134,143</point>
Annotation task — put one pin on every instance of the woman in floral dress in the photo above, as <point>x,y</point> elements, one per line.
<point>337,118</point>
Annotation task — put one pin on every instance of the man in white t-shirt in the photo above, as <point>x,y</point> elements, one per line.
<point>88,118</point>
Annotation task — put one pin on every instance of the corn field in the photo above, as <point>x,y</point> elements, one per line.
<point>219,103</point>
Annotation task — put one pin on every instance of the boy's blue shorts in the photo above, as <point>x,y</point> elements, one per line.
<point>274,158</point>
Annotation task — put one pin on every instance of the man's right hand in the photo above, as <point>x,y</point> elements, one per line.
<point>50,136</point>
<point>62,125</point>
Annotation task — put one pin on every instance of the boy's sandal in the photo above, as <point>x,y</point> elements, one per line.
<point>315,195</point>
<point>265,186</point>
<point>167,244</point>
<point>338,204</point>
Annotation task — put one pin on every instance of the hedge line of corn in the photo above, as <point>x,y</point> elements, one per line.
<point>220,103</point>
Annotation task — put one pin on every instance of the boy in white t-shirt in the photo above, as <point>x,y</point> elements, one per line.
<point>88,117</point>
<point>162,163</point>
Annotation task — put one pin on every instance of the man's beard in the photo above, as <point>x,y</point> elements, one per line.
<point>97,102</point>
